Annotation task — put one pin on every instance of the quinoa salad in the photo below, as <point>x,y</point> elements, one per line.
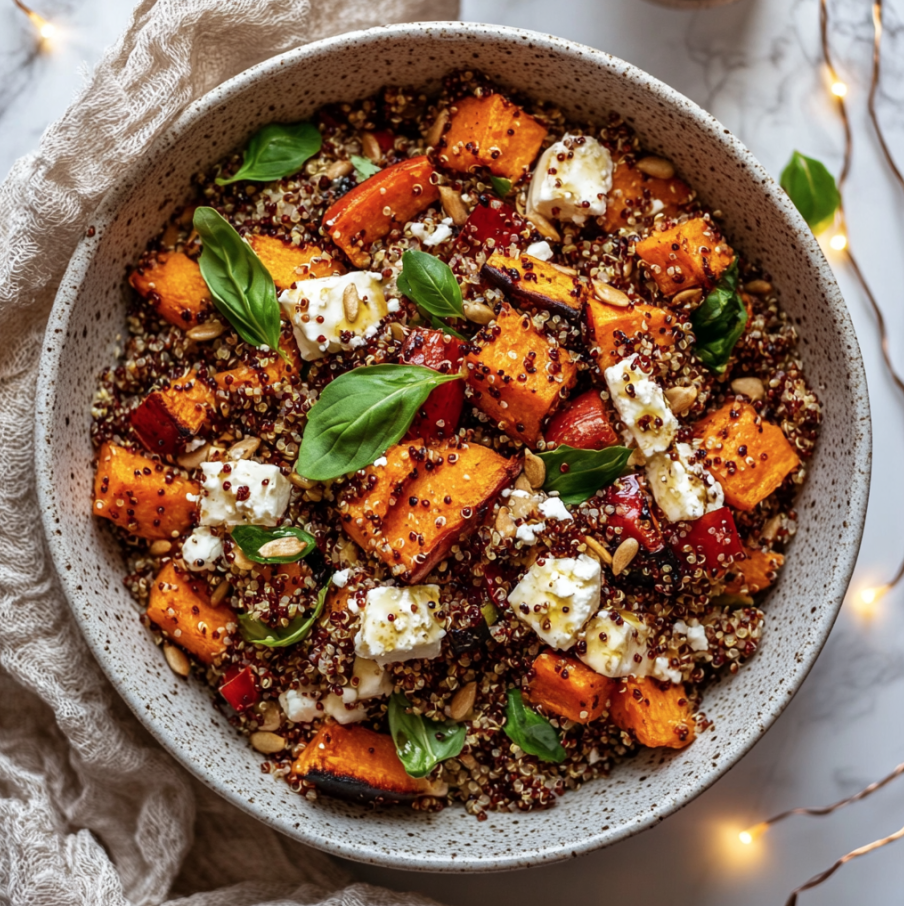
<point>453,446</point>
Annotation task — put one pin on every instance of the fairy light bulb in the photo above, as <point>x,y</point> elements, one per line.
<point>839,89</point>
<point>838,242</point>
<point>46,30</point>
<point>865,602</point>
<point>750,834</point>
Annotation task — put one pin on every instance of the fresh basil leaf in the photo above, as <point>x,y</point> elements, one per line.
<point>720,321</point>
<point>242,288</point>
<point>420,742</point>
<point>501,186</point>
<point>533,733</point>
<point>361,414</point>
<point>586,471</point>
<point>439,324</point>
<point>251,538</point>
<point>812,189</point>
<point>430,283</point>
<point>253,630</point>
<point>279,149</point>
<point>363,167</point>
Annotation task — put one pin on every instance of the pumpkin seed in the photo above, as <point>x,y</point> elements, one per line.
<point>687,297</point>
<point>301,482</point>
<point>657,167</point>
<point>478,312</point>
<point>371,147</point>
<point>564,269</point>
<point>193,459</point>
<point>351,303</point>
<point>243,449</point>
<point>504,523</point>
<point>598,549</point>
<point>463,701</point>
<point>534,469</point>
<point>339,168</point>
<point>435,132</point>
<point>609,294</point>
<point>209,330</point>
<point>681,398</point>
<point>267,743</point>
<point>453,205</point>
<point>758,287</point>
<point>159,548</point>
<point>751,387</point>
<point>177,660</point>
<point>282,547</point>
<point>624,554</point>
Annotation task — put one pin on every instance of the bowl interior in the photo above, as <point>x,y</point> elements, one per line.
<point>82,338</point>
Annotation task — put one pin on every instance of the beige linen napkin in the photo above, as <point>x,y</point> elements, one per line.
<point>92,811</point>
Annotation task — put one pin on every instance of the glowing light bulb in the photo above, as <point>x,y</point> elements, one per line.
<point>839,89</point>
<point>745,837</point>
<point>838,242</point>
<point>47,31</point>
<point>751,833</point>
<point>865,602</point>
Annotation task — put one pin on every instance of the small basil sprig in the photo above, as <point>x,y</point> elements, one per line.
<point>812,189</point>
<point>242,288</point>
<point>501,185</point>
<point>363,167</point>
<point>431,285</point>
<point>251,538</point>
<point>533,733</point>
<point>586,471</point>
<point>361,414</point>
<point>253,630</point>
<point>720,321</point>
<point>420,742</point>
<point>279,149</point>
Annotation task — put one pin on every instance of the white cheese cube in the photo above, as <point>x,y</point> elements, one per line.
<point>642,405</point>
<point>202,549</point>
<point>317,312</point>
<point>373,680</point>
<point>616,644</point>
<point>344,708</point>
<point>571,181</point>
<point>557,597</point>
<point>683,489</point>
<point>243,493</point>
<point>298,706</point>
<point>398,624</point>
<point>695,635</point>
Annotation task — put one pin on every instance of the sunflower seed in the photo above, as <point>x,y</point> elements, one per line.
<point>351,302</point>
<point>610,295</point>
<point>209,330</point>
<point>435,132</point>
<point>658,167</point>
<point>282,547</point>
<point>240,561</point>
<point>478,312</point>
<point>243,449</point>
<point>398,331</point>
<point>504,523</point>
<point>371,147</point>
<point>192,460</point>
<point>544,227</point>
<point>770,529</point>
<point>624,554</point>
<point>598,549</point>
<point>758,287</point>
<point>687,297</point>
<point>301,482</point>
<point>681,398</point>
<point>563,269</point>
<point>270,716</point>
<point>159,548</point>
<point>751,387</point>
<point>267,743</point>
<point>463,701</point>
<point>453,205</point>
<point>534,469</point>
<point>339,168</point>
<point>177,660</point>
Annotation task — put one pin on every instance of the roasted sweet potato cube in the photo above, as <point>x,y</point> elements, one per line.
<point>610,328</point>
<point>490,132</point>
<point>756,573</point>
<point>180,606</point>
<point>146,498</point>
<point>564,686</point>
<point>270,369</point>
<point>533,283</point>
<point>167,419</point>
<point>582,423</point>
<point>658,717</point>
<point>387,200</point>
<point>516,377</point>
<point>172,283</point>
<point>289,263</point>
<point>634,194</point>
<point>686,256</point>
<point>748,456</point>
<point>352,762</point>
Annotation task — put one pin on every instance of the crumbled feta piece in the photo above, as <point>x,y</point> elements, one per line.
<point>553,508</point>
<point>681,485</point>
<point>441,232</point>
<point>695,635</point>
<point>616,644</point>
<point>557,596</point>
<point>299,708</point>
<point>661,670</point>
<point>373,680</point>
<point>399,624</point>
<point>340,577</point>
<point>243,493</point>
<point>323,298</point>
<point>541,250</point>
<point>571,181</point>
<point>529,532</point>
<point>381,461</point>
<point>643,408</point>
<point>344,709</point>
<point>202,549</point>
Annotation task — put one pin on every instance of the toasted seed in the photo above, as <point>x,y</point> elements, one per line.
<point>770,529</point>
<point>453,205</point>
<point>658,167</point>
<point>435,132</point>
<point>751,387</point>
<point>544,227</point>
<point>433,787</point>
<point>758,287</point>
<point>339,168</point>
<point>240,560</point>
<point>534,469</point>
<point>267,743</point>
<point>351,303</point>
<point>624,554</point>
<point>159,548</point>
<point>398,331</point>
<point>478,312</point>
<point>314,495</point>
<point>468,760</point>
<point>610,295</point>
<point>301,482</point>
<point>270,716</point>
<point>504,523</point>
<point>681,398</point>
<point>209,330</point>
<point>522,483</point>
<point>193,459</point>
<point>220,592</point>
<point>563,269</point>
<point>283,547</point>
<point>371,147</point>
<point>598,549</point>
<point>687,296</point>
<point>522,507</point>
<point>243,449</point>
<point>463,701</point>
<point>177,660</point>
<point>637,459</point>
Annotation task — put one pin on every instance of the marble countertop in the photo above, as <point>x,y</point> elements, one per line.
<point>754,64</point>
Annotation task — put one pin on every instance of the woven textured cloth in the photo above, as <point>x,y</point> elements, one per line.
<point>92,811</point>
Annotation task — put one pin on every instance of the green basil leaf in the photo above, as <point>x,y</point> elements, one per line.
<point>720,321</point>
<point>430,283</point>
<point>361,414</point>
<point>253,630</point>
<point>420,742</point>
<point>812,189</point>
<point>251,538</point>
<point>501,186</point>
<point>242,288</point>
<point>439,324</point>
<point>363,167</point>
<point>279,149</point>
<point>587,471</point>
<point>533,733</point>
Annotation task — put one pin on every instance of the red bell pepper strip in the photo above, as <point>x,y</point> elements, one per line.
<point>710,542</point>
<point>632,514</point>
<point>491,219</point>
<point>582,423</point>
<point>239,688</point>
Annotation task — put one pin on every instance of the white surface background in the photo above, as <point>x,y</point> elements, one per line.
<point>754,64</point>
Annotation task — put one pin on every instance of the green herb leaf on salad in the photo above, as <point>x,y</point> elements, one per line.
<point>430,284</point>
<point>501,185</point>
<point>363,167</point>
<point>533,733</point>
<point>586,471</point>
<point>812,189</point>
<point>277,150</point>
<point>361,414</point>
<point>422,743</point>
<point>720,321</point>
<point>251,538</point>
<point>253,630</point>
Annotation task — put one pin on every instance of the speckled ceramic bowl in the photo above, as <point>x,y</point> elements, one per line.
<point>81,340</point>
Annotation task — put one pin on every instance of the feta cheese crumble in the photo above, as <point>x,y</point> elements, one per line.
<point>398,624</point>
<point>344,708</point>
<point>553,508</point>
<point>373,680</point>
<point>681,485</point>
<point>298,707</point>
<point>441,232</point>
<point>529,532</point>
<point>243,493</point>
<point>541,250</point>
<point>202,549</point>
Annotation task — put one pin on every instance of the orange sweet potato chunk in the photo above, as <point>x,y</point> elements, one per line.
<point>491,132</point>
<point>173,285</point>
<point>516,377</point>
<point>289,263</point>
<point>167,419</point>
<point>748,456</point>
<point>634,194</point>
<point>146,498</point>
<point>756,573</point>
<point>271,369</point>
<point>386,200</point>
<point>686,256</point>
<point>565,686</point>
<point>659,718</point>
<point>194,624</point>
<point>609,327</point>
<point>535,284</point>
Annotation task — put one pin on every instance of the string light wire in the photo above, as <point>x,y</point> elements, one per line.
<point>46,30</point>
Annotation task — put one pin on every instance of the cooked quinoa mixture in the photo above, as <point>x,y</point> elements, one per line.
<point>508,494</point>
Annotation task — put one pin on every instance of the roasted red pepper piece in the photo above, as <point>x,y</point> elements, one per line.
<point>441,352</point>
<point>239,688</point>
<point>385,139</point>
<point>491,219</point>
<point>582,423</point>
<point>712,539</point>
<point>632,514</point>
